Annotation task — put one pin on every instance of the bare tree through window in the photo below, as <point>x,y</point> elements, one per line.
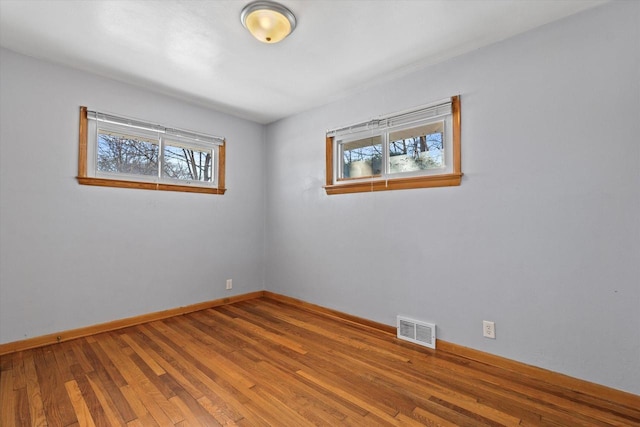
<point>122,154</point>
<point>187,164</point>
<point>118,153</point>
<point>423,151</point>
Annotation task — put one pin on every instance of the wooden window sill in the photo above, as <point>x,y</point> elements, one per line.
<point>104,182</point>
<point>445,180</point>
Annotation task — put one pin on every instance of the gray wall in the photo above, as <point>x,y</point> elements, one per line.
<point>543,236</point>
<point>72,255</point>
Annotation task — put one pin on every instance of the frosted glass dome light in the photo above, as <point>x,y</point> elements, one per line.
<point>267,21</point>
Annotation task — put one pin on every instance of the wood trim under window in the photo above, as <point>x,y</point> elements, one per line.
<point>84,179</point>
<point>445,180</point>
<point>329,161</point>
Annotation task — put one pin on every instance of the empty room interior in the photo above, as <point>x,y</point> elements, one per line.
<point>401,213</point>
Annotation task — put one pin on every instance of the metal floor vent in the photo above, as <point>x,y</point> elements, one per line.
<point>417,332</point>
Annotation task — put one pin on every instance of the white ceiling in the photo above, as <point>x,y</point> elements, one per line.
<point>199,50</point>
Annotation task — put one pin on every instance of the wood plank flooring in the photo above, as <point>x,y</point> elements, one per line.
<point>266,363</point>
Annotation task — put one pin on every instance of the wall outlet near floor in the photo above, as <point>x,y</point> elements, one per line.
<point>229,284</point>
<point>489,329</point>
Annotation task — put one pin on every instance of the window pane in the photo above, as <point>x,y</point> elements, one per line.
<point>187,163</point>
<point>362,157</point>
<point>417,148</point>
<point>130,154</point>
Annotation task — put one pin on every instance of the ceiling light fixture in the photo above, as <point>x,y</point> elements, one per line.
<point>267,21</point>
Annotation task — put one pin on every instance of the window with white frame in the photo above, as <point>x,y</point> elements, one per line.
<point>122,152</point>
<point>410,149</point>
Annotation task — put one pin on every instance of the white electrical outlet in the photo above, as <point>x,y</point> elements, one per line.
<point>229,284</point>
<point>489,329</point>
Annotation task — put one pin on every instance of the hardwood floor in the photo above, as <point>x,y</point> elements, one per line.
<point>263,362</point>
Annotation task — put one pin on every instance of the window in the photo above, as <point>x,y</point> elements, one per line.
<point>414,149</point>
<point>121,152</point>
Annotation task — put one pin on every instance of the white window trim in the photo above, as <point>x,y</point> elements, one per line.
<point>448,110</point>
<point>386,173</point>
<point>166,136</point>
